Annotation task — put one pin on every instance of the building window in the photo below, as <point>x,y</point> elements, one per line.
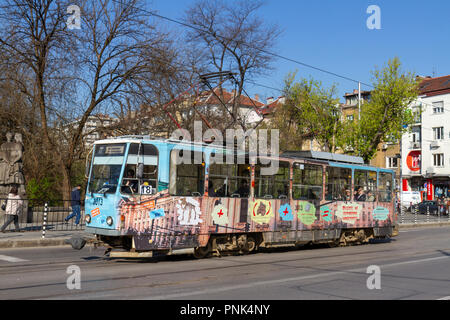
<point>391,162</point>
<point>438,107</point>
<point>438,159</point>
<point>417,115</point>
<point>438,133</point>
<point>350,117</point>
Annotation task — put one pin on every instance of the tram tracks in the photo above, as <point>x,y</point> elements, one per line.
<point>195,274</point>
<point>105,262</point>
<point>311,272</point>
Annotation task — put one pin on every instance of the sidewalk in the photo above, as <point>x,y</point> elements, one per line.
<point>34,238</point>
<point>58,238</point>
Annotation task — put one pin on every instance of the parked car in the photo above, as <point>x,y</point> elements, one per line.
<point>410,198</point>
<point>427,205</point>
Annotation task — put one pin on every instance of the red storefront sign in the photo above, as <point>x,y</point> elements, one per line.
<point>429,189</point>
<point>413,160</point>
<point>404,185</point>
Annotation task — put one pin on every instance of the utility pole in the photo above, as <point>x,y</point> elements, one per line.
<point>359,100</point>
<point>400,185</point>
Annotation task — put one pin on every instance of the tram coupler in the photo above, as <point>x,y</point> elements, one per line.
<point>76,242</point>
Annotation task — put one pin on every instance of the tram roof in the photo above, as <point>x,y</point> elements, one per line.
<point>304,155</point>
<point>318,155</point>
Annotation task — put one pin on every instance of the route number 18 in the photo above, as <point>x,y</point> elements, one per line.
<point>146,189</point>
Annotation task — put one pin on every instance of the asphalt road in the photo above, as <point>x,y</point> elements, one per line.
<point>414,265</point>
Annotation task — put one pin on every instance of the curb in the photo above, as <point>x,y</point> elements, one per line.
<point>423,224</point>
<point>33,243</point>
<point>30,243</point>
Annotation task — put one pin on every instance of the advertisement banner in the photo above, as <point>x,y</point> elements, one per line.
<point>429,189</point>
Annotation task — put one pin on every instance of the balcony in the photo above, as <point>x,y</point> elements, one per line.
<point>430,172</point>
<point>415,146</point>
<point>435,144</point>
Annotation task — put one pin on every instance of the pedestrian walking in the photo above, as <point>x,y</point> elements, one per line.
<point>13,207</point>
<point>76,205</point>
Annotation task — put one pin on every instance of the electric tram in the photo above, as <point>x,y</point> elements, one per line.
<point>148,197</point>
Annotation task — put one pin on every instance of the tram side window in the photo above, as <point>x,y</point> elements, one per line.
<point>365,185</point>
<point>385,187</point>
<point>272,186</point>
<point>148,155</point>
<point>229,180</point>
<point>187,176</point>
<point>307,182</point>
<point>338,184</point>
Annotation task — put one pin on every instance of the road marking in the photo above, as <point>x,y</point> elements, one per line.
<point>11,259</point>
<point>445,298</point>
<point>279,281</point>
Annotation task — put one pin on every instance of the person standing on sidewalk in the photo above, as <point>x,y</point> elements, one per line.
<point>13,206</point>
<point>76,205</point>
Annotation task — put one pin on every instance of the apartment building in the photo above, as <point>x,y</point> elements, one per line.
<point>426,150</point>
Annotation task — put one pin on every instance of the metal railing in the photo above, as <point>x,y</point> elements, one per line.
<point>413,216</point>
<point>34,215</point>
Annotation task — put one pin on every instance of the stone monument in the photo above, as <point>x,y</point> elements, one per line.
<point>11,165</point>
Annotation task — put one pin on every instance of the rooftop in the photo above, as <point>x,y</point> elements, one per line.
<point>434,86</point>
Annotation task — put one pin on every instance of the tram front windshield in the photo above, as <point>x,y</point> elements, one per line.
<point>105,173</point>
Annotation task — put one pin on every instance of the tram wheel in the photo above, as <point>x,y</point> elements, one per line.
<point>202,252</point>
<point>334,243</point>
<point>251,245</point>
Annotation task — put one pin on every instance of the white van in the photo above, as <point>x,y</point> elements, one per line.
<point>410,197</point>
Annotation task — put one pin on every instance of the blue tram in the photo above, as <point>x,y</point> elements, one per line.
<point>148,197</point>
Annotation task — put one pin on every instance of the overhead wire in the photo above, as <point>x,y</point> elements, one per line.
<point>201,30</point>
<point>295,61</point>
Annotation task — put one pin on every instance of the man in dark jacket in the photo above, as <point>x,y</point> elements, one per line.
<point>76,205</point>
<point>360,195</point>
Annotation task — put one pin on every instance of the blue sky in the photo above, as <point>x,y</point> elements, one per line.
<point>333,35</point>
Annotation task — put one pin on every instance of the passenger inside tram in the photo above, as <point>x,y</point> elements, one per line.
<point>370,196</point>
<point>360,195</point>
<point>244,189</point>
<point>211,191</point>
<point>130,183</point>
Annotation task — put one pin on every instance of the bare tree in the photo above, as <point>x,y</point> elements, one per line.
<point>76,73</point>
<point>232,37</point>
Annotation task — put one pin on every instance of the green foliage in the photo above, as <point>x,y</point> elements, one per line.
<point>310,112</point>
<point>78,172</point>
<point>42,190</point>
<point>387,115</point>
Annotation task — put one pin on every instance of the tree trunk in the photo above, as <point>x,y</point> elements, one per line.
<point>66,185</point>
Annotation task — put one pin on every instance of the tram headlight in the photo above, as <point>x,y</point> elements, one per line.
<point>109,221</point>
<point>87,218</point>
